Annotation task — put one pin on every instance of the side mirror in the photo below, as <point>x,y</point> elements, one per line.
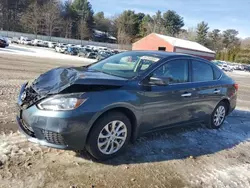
<point>157,81</point>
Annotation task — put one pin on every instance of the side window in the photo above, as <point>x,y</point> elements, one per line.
<point>175,71</point>
<point>217,73</point>
<point>202,72</point>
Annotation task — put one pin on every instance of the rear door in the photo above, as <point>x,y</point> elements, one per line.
<point>209,90</point>
<point>170,104</point>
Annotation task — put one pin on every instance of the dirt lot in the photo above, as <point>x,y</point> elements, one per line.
<point>184,157</point>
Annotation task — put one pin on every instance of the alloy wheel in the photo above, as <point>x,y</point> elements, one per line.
<point>112,137</point>
<point>219,115</point>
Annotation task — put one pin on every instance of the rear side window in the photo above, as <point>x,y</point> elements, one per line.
<point>202,72</point>
<point>175,71</point>
<point>217,73</point>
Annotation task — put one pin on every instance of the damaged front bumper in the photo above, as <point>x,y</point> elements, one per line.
<point>32,138</point>
<point>57,129</point>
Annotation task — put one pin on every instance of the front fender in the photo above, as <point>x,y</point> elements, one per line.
<point>136,111</point>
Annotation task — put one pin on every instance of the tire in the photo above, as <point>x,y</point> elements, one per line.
<point>216,123</point>
<point>101,151</point>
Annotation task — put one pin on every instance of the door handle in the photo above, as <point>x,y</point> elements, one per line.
<point>186,95</point>
<point>216,91</point>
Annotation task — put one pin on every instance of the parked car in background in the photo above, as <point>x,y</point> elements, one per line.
<point>231,66</point>
<point>100,48</point>
<point>52,44</point>
<point>3,42</point>
<point>103,54</point>
<point>91,55</point>
<point>247,68</point>
<point>241,67</point>
<point>82,52</point>
<point>226,68</point>
<point>22,39</point>
<point>70,45</point>
<point>71,50</point>
<point>27,42</point>
<point>61,48</point>
<point>37,42</point>
<point>91,47</point>
<point>15,40</point>
<point>103,106</point>
<point>79,46</point>
<point>9,40</point>
<point>115,51</point>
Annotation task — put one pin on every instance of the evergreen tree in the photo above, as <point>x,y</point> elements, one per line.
<point>84,19</point>
<point>202,30</point>
<point>173,23</point>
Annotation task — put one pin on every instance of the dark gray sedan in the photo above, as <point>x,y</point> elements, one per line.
<point>103,106</point>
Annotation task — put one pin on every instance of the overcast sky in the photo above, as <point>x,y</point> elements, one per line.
<point>221,14</point>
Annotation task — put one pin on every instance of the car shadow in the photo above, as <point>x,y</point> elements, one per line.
<point>180,143</point>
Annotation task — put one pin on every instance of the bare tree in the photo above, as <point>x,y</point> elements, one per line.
<point>32,18</point>
<point>123,38</point>
<point>67,27</point>
<point>51,17</point>
<point>83,30</point>
<point>189,34</point>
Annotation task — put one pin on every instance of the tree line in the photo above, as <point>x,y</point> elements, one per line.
<point>76,19</point>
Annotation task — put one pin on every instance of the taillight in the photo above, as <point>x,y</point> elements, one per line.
<point>236,86</point>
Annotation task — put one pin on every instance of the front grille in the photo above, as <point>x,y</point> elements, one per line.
<point>53,138</point>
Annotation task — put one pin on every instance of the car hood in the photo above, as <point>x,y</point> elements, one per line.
<point>58,79</point>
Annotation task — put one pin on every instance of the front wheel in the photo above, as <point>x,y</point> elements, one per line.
<point>218,116</point>
<point>109,136</point>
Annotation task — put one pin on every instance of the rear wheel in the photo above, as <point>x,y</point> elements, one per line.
<point>109,136</point>
<point>218,116</point>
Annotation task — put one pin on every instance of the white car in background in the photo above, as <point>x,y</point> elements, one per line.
<point>226,68</point>
<point>22,39</point>
<point>52,44</point>
<point>61,48</point>
<point>37,42</point>
<point>27,42</point>
<point>79,46</point>
<point>102,48</point>
<point>241,67</point>
<point>70,45</point>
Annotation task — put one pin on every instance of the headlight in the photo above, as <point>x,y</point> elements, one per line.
<point>60,103</point>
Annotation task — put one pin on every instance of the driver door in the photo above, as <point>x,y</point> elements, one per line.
<point>167,105</point>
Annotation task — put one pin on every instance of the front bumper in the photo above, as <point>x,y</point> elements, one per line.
<point>57,129</point>
<point>62,130</point>
<point>54,129</point>
<point>33,139</point>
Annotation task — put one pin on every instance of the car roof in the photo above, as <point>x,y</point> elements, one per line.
<point>166,55</point>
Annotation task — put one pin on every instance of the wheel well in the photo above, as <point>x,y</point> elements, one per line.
<point>226,101</point>
<point>130,115</point>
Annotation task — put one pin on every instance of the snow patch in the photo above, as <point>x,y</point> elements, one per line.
<point>236,176</point>
<point>15,144</point>
<point>41,53</point>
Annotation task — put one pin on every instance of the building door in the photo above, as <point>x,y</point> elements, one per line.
<point>161,48</point>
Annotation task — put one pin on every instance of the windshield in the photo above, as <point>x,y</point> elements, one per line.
<point>126,65</point>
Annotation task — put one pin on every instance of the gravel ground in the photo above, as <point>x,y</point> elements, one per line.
<point>185,157</point>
